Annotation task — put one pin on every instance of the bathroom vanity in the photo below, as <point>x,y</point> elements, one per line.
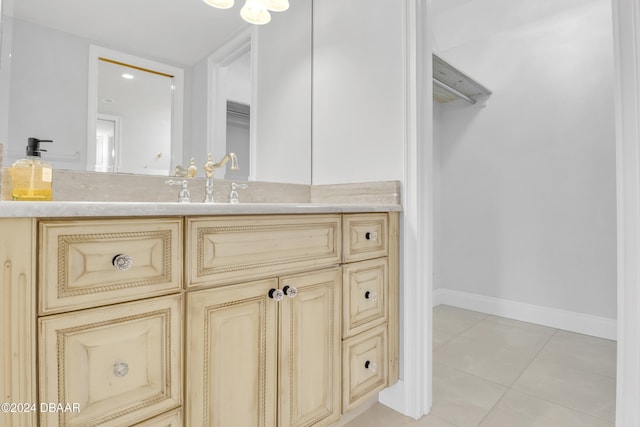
<point>192,315</point>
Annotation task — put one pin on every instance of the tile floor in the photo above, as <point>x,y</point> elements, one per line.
<point>490,371</point>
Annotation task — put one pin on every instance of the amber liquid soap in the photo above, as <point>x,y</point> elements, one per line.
<point>32,176</point>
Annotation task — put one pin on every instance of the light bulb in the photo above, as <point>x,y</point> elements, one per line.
<point>220,4</point>
<point>255,12</point>
<point>277,5</point>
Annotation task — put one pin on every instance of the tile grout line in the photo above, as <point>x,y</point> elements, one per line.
<point>563,406</point>
<point>535,357</point>
<point>461,332</point>
<point>549,401</point>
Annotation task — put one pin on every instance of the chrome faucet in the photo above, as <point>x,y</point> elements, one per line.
<point>184,196</point>
<point>210,167</point>
<point>233,195</point>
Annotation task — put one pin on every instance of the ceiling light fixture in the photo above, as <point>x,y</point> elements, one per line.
<point>254,11</point>
<point>127,76</point>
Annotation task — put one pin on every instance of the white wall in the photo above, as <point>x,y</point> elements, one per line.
<point>527,184</point>
<point>48,94</point>
<point>239,79</point>
<point>281,116</point>
<point>358,89</point>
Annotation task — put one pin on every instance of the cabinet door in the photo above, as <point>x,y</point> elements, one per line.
<point>309,358</point>
<point>231,356</point>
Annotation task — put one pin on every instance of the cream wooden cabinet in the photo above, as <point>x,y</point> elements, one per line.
<point>259,358</point>
<point>370,300</point>
<point>173,322</point>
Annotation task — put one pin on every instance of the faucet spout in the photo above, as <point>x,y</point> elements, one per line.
<point>209,169</point>
<point>210,166</point>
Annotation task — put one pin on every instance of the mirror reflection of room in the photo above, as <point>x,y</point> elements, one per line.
<point>134,106</point>
<point>46,76</point>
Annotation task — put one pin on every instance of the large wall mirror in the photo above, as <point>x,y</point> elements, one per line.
<point>226,86</point>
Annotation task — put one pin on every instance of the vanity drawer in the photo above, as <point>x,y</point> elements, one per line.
<point>231,249</point>
<point>364,364</point>
<point>120,364</point>
<point>364,295</point>
<point>365,236</point>
<point>78,261</point>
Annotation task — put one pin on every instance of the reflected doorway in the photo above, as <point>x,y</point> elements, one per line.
<point>239,139</point>
<point>107,139</point>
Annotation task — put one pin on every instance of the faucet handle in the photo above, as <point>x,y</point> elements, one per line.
<point>184,196</point>
<point>233,195</point>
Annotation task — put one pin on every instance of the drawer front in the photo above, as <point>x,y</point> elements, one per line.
<point>230,249</point>
<point>365,236</point>
<point>120,364</point>
<point>364,295</point>
<point>78,261</point>
<point>170,419</point>
<point>364,364</point>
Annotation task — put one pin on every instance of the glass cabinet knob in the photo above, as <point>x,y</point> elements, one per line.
<point>276,294</point>
<point>371,235</point>
<point>122,262</point>
<point>290,291</point>
<point>120,369</point>
<point>372,366</point>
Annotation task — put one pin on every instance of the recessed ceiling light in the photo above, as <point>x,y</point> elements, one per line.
<point>127,76</point>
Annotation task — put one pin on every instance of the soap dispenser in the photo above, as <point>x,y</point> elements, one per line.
<point>32,176</point>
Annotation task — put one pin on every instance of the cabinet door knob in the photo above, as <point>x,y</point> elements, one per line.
<point>370,295</point>
<point>372,366</point>
<point>290,291</point>
<point>120,369</point>
<point>276,294</point>
<point>371,235</point>
<point>122,262</point>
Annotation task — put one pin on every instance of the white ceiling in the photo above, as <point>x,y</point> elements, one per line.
<point>180,31</point>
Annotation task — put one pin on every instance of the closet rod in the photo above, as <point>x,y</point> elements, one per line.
<point>453,91</point>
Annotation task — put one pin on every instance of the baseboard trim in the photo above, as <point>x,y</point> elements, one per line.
<point>596,326</point>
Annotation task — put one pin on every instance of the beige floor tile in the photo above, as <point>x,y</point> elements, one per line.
<point>521,410</point>
<point>515,334</point>
<point>449,322</point>
<point>587,392</point>
<point>380,416</point>
<point>460,398</point>
<point>430,421</point>
<point>496,349</point>
<point>582,352</point>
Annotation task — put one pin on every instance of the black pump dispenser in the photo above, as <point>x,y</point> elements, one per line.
<point>33,146</point>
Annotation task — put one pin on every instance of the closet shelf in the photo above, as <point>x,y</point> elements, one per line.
<point>450,84</point>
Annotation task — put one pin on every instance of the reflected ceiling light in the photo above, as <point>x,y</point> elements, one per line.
<point>127,76</point>
<point>277,5</point>
<point>220,4</point>
<point>255,12</point>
